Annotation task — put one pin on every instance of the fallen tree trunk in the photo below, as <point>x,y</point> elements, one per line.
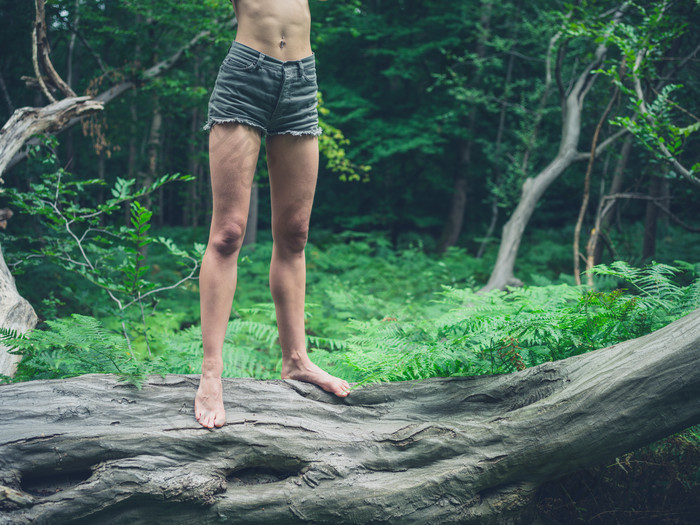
<point>458,450</point>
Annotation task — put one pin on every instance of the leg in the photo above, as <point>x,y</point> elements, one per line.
<point>233,154</point>
<point>293,167</point>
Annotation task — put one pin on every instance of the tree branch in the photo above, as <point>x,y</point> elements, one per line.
<point>96,103</point>
<point>27,122</point>
<point>659,202</point>
<point>41,43</point>
<point>603,145</point>
<point>643,109</point>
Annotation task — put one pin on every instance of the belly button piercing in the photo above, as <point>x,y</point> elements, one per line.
<point>282,43</point>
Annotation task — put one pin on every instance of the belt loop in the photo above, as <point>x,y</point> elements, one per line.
<point>261,57</point>
<point>300,65</point>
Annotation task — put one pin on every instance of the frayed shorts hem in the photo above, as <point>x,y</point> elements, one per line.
<point>245,122</point>
<point>305,133</point>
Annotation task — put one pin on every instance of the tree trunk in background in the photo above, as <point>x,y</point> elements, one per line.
<point>15,314</point>
<point>615,188</point>
<point>102,175</point>
<point>153,149</point>
<point>194,144</point>
<point>190,212</point>
<point>533,188</point>
<point>469,450</point>
<point>6,96</point>
<point>458,203</point>
<point>251,231</point>
<point>666,198</point>
<point>131,170</point>
<point>651,219</point>
<point>455,217</point>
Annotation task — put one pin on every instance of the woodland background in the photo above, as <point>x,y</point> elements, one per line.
<point>574,125</point>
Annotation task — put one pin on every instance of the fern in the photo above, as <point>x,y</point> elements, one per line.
<point>504,331</point>
<point>74,346</point>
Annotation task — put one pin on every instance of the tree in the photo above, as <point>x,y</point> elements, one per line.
<point>15,314</point>
<point>457,450</point>
<point>657,34</point>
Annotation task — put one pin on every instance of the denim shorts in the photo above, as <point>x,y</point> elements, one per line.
<point>271,95</point>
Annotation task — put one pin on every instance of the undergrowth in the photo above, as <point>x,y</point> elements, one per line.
<point>378,314</point>
<point>500,332</point>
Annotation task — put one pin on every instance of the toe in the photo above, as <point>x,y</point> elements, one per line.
<point>341,392</point>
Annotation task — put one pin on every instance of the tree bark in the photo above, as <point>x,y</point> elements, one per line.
<point>28,121</point>
<point>594,252</point>
<point>457,450</point>
<point>15,314</point>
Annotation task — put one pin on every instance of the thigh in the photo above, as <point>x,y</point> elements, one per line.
<point>293,166</point>
<point>233,155</point>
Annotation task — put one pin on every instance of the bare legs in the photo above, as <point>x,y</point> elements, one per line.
<point>293,167</point>
<point>233,153</point>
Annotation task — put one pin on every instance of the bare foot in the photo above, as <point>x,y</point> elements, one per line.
<point>209,402</point>
<point>302,369</point>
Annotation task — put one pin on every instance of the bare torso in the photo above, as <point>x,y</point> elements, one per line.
<point>279,28</point>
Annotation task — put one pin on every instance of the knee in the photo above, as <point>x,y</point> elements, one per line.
<point>292,237</point>
<point>227,240</point>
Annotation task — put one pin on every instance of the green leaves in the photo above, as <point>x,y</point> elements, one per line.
<point>81,237</point>
<point>505,331</point>
<point>74,346</point>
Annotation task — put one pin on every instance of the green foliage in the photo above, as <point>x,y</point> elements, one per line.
<point>501,332</point>
<point>74,346</point>
<point>331,146</point>
<point>644,39</point>
<point>249,350</point>
<point>77,237</point>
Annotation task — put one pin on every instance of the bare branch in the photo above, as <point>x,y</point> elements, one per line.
<point>97,103</point>
<point>603,145</point>
<point>657,201</point>
<point>586,191</point>
<point>27,122</point>
<point>41,45</point>
<point>35,63</point>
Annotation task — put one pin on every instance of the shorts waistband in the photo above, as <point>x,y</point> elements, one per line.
<point>261,58</point>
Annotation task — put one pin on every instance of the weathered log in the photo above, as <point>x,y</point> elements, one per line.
<point>458,450</point>
<point>15,314</point>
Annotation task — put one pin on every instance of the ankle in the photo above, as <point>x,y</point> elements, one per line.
<point>295,356</point>
<point>212,369</point>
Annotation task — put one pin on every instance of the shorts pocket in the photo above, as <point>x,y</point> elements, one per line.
<point>237,63</point>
